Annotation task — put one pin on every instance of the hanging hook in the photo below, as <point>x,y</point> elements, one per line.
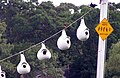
<point>22,52</point>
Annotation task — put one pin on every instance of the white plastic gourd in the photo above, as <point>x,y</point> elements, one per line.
<point>43,53</point>
<point>82,31</point>
<point>2,73</point>
<point>23,67</point>
<point>63,41</point>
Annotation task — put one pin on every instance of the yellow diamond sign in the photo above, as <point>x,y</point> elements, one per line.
<point>104,29</point>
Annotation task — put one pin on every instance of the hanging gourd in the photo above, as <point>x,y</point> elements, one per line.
<point>63,42</point>
<point>23,67</point>
<point>2,73</point>
<point>43,53</point>
<point>82,31</point>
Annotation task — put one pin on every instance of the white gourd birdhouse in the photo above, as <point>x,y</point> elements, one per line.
<point>82,31</point>
<point>63,41</point>
<point>23,67</point>
<point>2,73</point>
<point>43,53</point>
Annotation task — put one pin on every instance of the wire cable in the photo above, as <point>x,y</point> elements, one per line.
<point>46,38</point>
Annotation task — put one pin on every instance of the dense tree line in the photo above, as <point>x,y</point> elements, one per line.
<point>23,24</point>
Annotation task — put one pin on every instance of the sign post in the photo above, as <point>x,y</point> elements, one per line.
<point>104,29</point>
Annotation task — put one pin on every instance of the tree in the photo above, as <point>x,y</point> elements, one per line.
<point>113,62</point>
<point>5,50</point>
<point>26,24</point>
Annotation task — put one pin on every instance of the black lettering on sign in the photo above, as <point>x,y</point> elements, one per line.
<point>104,29</point>
<point>104,23</point>
<point>103,33</point>
<point>99,29</point>
<point>109,29</point>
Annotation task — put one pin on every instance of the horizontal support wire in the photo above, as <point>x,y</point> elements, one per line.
<point>46,38</point>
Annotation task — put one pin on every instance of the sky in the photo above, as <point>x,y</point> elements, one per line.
<point>78,2</point>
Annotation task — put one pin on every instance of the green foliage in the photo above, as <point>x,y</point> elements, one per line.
<point>27,23</point>
<point>113,62</point>
<point>5,50</point>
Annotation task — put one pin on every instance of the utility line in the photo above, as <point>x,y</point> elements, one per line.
<point>47,38</point>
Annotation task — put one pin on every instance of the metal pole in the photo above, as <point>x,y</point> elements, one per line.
<point>102,43</point>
